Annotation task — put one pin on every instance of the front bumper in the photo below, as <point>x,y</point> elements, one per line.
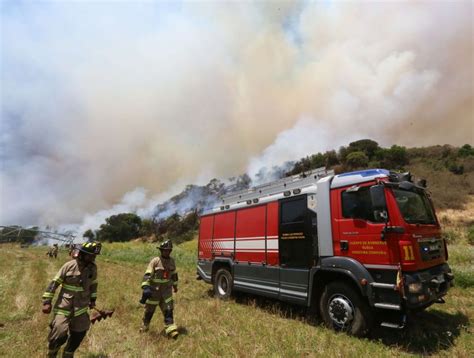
<point>435,283</point>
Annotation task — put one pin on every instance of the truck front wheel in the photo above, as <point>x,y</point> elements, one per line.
<point>223,284</point>
<point>343,309</point>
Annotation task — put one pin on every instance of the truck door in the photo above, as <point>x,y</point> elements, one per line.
<point>358,231</point>
<point>295,247</point>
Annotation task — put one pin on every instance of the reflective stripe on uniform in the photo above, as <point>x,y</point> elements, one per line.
<point>159,280</point>
<point>62,312</point>
<point>145,283</point>
<point>94,295</point>
<point>58,279</point>
<point>151,302</point>
<point>94,282</point>
<point>169,299</point>
<point>80,311</point>
<point>73,288</point>
<point>48,295</point>
<point>171,328</point>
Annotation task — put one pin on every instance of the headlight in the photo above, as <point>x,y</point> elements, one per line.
<point>416,287</point>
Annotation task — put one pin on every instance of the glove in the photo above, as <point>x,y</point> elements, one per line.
<point>46,308</point>
<point>146,294</point>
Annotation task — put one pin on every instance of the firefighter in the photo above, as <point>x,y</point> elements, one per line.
<point>78,281</point>
<point>55,251</point>
<point>159,282</point>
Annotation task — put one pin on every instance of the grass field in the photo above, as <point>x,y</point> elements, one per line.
<point>245,326</point>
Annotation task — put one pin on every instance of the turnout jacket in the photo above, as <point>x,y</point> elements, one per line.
<point>161,272</point>
<point>78,288</point>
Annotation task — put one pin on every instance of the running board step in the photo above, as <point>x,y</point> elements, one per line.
<point>388,306</point>
<point>392,325</point>
<point>389,286</point>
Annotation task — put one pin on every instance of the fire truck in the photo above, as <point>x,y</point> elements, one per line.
<point>360,249</point>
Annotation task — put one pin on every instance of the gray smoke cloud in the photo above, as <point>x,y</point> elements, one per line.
<point>100,100</point>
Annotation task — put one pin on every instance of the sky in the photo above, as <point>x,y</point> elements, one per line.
<point>120,104</point>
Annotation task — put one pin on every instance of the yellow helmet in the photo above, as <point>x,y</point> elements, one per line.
<point>91,247</point>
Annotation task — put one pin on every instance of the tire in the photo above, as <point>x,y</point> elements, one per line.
<point>223,284</point>
<point>344,309</point>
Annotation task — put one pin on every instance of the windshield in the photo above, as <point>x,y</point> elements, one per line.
<point>415,206</point>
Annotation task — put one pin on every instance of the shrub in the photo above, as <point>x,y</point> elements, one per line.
<point>466,150</point>
<point>357,160</point>
<point>395,157</point>
<point>470,235</point>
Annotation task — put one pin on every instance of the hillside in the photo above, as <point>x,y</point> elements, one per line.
<point>245,326</point>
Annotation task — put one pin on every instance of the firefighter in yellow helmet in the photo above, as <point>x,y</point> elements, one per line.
<point>159,282</point>
<point>78,281</point>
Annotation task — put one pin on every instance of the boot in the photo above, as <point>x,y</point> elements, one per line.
<point>146,321</point>
<point>53,353</point>
<point>172,331</point>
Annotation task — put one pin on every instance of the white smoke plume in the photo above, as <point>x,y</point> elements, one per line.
<point>100,98</point>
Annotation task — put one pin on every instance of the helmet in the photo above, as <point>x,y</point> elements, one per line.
<point>91,247</point>
<point>166,245</point>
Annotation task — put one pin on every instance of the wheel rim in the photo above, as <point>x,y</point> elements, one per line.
<point>341,311</point>
<point>222,285</point>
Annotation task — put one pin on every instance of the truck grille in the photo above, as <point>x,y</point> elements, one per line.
<point>431,249</point>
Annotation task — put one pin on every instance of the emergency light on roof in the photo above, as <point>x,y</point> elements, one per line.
<point>365,173</point>
<point>357,177</point>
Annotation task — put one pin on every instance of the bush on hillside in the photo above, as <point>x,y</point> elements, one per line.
<point>357,160</point>
<point>470,235</point>
<point>466,150</point>
<point>395,158</point>
<point>178,228</point>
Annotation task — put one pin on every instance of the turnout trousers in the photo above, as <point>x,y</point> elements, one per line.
<point>67,329</point>
<point>161,296</point>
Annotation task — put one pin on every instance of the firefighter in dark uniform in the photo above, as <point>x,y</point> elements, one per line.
<point>78,281</point>
<point>159,282</point>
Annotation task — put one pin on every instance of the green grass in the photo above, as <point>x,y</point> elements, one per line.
<point>245,326</point>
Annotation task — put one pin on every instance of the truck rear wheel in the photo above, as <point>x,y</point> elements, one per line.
<point>343,309</point>
<point>223,284</point>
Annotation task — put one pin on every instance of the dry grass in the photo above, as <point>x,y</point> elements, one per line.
<point>245,326</point>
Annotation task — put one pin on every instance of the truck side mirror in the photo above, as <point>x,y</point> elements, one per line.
<point>377,195</point>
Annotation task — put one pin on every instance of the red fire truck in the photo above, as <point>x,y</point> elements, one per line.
<point>361,248</point>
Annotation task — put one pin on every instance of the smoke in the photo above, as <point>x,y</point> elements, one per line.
<point>98,99</point>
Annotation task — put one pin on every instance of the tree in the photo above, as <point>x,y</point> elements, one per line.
<point>149,227</point>
<point>465,151</point>
<point>368,146</point>
<point>121,227</point>
<point>89,234</point>
<point>395,157</point>
<point>357,160</point>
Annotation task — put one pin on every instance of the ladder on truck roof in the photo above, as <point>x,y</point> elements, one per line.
<point>298,181</point>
